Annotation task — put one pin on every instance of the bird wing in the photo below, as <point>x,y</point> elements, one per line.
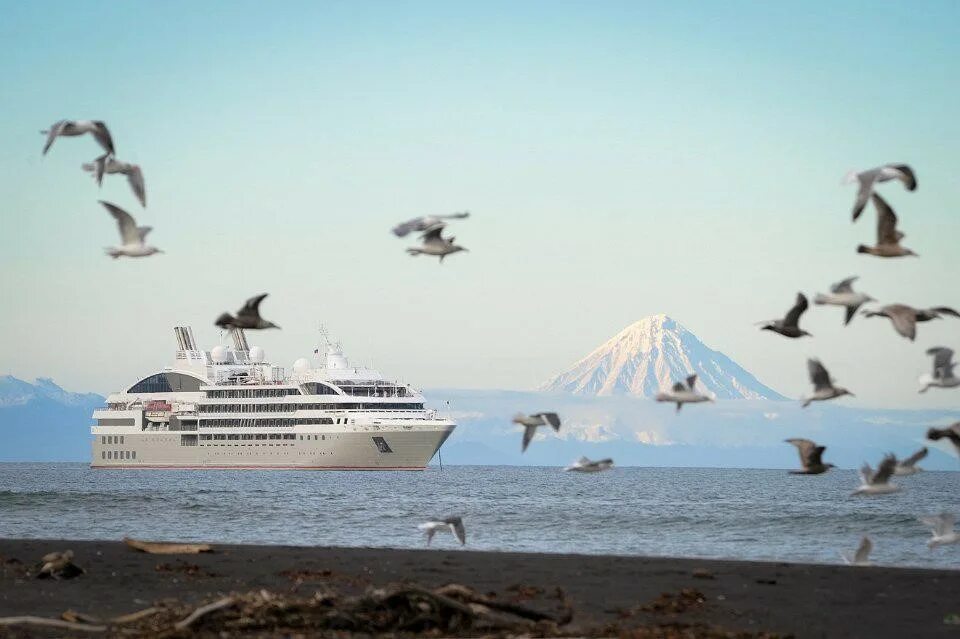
<point>251,307</point>
<point>851,312</point>
<point>884,470</point>
<point>99,167</point>
<point>692,381</point>
<point>460,215</point>
<point>866,474</point>
<point>528,433</point>
<point>905,174</point>
<point>866,180</point>
<point>102,134</point>
<point>816,456</point>
<point>135,179</point>
<point>456,526</point>
<point>806,449</point>
<point>143,231</point>
<point>941,524</point>
<point>914,458</point>
<point>904,320</point>
<point>550,418</point>
<point>793,315</point>
<point>945,310</point>
<point>844,286</point>
<point>129,232</point>
<point>818,375</point>
<point>52,134</point>
<point>432,234</point>
<point>679,387</point>
<point>863,550</point>
<point>402,230</point>
<point>886,222</point>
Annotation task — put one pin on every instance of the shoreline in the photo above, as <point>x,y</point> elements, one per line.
<point>786,599</point>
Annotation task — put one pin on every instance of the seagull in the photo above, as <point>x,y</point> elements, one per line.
<point>107,164</point>
<point>878,483</point>
<point>58,565</point>
<point>888,237</point>
<point>788,326</point>
<point>133,236</point>
<point>435,244</point>
<point>943,366</point>
<point>905,317</point>
<point>862,556</point>
<point>584,465</point>
<point>842,294</point>
<point>450,524</point>
<point>683,393</point>
<point>823,388</point>
<point>909,466</point>
<point>247,317</point>
<point>810,457</point>
<point>943,532</point>
<point>870,177</point>
<point>531,423</point>
<point>78,127</point>
<point>421,224</point>
<point>951,432</point>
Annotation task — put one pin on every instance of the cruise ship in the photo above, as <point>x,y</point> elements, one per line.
<point>229,408</point>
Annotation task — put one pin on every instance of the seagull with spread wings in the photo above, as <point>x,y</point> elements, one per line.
<point>951,432</point>
<point>823,386</point>
<point>888,237</point>
<point>877,482</point>
<point>862,556</point>
<point>585,465</point>
<point>909,466</point>
<point>943,366</point>
<point>531,423</point>
<point>684,393</point>
<point>72,128</point>
<point>811,462</point>
<point>943,531</point>
<point>842,294</point>
<point>426,222</point>
<point>447,525</point>
<point>246,317</point>
<point>106,164</point>
<point>433,243</point>
<point>869,178</point>
<point>789,326</point>
<point>905,318</point>
<point>134,237</point>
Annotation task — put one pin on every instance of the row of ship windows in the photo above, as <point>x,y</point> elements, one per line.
<point>118,454</point>
<point>252,392</point>
<point>247,436</point>
<point>286,408</point>
<point>111,439</point>
<point>274,421</point>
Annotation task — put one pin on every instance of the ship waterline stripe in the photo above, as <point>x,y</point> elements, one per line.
<point>246,467</point>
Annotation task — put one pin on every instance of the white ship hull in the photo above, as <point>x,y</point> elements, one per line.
<point>408,450</point>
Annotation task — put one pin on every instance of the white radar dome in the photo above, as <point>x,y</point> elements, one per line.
<point>302,365</point>
<point>219,355</point>
<point>256,355</point>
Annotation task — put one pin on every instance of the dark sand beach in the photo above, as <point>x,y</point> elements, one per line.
<point>740,597</point>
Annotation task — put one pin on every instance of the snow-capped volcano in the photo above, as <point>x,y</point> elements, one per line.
<point>652,354</point>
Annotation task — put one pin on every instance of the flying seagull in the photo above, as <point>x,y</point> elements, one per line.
<point>909,466</point>
<point>247,317</point>
<point>433,243</point>
<point>531,423</point>
<point>888,237</point>
<point>133,236</point>
<point>842,294</point>
<point>878,483</point>
<point>683,393</point>
<point>70,128</point>
<point>789,325</point>
<point>905,317</point>
<point>943,366</point>
<point>421,224</point>
<point>450,524</point>
<point>584,465</point>
<point>107,164</point>
<point>867,179</point>
<point>951,432</point>
<point>943,532</point>
<point>862,556</point>
<point>823,388</point>
<point>810,457</point>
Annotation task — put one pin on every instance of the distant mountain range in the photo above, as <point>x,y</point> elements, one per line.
<point>649,356</point>
<point>43,422</point>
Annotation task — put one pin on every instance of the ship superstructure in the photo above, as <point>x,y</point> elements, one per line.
<point>230,408</point>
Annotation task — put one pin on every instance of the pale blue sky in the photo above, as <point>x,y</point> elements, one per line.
<point>621,160</point>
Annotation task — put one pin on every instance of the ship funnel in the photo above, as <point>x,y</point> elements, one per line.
<point>240,341</point>
<point>185,340</point>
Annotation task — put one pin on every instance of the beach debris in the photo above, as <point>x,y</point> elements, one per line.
<point>426,222</point>
<point>585,465</point>
<point>789,326</point>
<point>766,582</point>
<point>182,567</point>
<point>943,366</point>
<point>905,318</point>
<point>58,565</point>
<point>702,573</point>
<point>43,622</point>
<point>166,548</point>
<point>909,466</point>
<point>842,294</point>
<point>433,243</point>
<point>868,179</point>
<point>810,457</point>
<point>675,603</point>
<point>953,619</point>
<point>683,393</point>
<point>878,482</point>
<point>862,555</point>
<point>951,432</point>
<point>532,422</point>
<point>247,317</point>
<point>943,530</point>
<point>203,611</point>
<point>823,388</point>
<point>450,524</point>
